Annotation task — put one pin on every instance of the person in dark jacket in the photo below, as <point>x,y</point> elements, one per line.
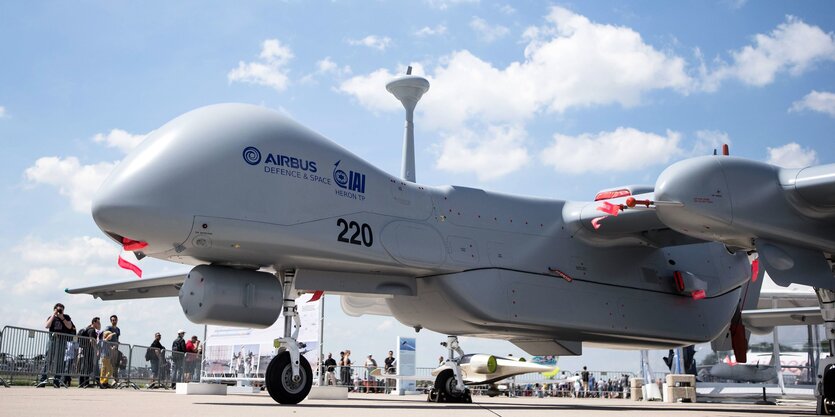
<point>154,355</point>
<point>59,326</point>
<point>178,349</point>
<point>89,352</point>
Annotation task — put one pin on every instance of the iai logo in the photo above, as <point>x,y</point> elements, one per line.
<point>252,155</point>
<point>352,181</point>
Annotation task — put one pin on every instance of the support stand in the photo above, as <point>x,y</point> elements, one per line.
<point>765,401</point>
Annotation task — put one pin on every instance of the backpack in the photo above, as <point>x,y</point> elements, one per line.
<point>179,345</point>
<point>148,354</point>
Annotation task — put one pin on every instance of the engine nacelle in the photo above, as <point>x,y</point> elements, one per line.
<point>483,364</point>
<point>231,297</point>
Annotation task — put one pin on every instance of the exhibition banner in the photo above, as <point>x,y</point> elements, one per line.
<point>237,352</point>
<point>406,367</point>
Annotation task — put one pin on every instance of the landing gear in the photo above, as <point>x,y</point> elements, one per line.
<point>282,385</point>
<point>825,389</point>
<point>446,390</point>
<point>449,383</point>
<point>289,377</point>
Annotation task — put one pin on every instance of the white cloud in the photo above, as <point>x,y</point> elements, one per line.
<point>571,62</point>
<point>445,4</point>
<point>793,47</point>
<point>370,90</point>
<point>708,140</point>
<point>270,71</point>
<point>77,251</point>
<point>819,101</point>
<point>37,280</point>
<point>76,181</point>
<point>427,31</point>
<point>372,41</point>
<point>486,32</point>
<point>326,66</point>
<point>118,138</point>
<point>2,112</point>
<point>385,325</point>
<point>735,4</point>
<point>623,149</point>
<point>490,155</point>
<point>507,9</point>
<point>792,155</point>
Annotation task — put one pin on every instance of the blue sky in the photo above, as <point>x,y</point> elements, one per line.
<point>555,99</point>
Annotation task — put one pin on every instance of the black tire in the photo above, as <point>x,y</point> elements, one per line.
<point>445,384</point>
<point>279,379</point>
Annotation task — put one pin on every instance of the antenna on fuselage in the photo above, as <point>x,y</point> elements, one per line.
<point>408,89</point>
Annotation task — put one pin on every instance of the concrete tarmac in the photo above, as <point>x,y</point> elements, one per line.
<point>36,402</point>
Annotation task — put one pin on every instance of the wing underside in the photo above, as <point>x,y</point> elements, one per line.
<point>166,286</point>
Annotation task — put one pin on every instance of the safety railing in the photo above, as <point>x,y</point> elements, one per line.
<point>162,368</point>
<point>28,355</point>
<point>45,358</point>
<point>372,379</point>
<point>2,362</point>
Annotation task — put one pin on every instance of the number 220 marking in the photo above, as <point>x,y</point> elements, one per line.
<point>362,233</point>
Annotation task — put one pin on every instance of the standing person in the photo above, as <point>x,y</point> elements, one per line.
<point>370,366</point>
<point>178,349</point>
<point>391,363</point>
<point>154,355</point>
<point>441,360</point>
<point>107,352</point>
<point>191,357</point>
<point>342,367</point>
<point>330,367</point>
<point>584,377</point>
<point>511,391</point>
<point>390,368</point>
<point>116,355</point>
<point>59,326</point>
<point>346,369</point>
<point>88,351</point>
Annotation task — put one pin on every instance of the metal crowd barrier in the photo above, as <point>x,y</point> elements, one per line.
<point>57,358</point>
<point>369,380</point>
<point>162,368</point>
<point>2,361</point>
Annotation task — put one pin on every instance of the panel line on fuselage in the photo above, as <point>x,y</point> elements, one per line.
<point>608,284</point>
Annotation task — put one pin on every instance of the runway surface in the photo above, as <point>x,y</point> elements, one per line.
<point>34,402</point>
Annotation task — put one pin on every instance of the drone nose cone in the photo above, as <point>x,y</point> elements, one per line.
<point>699,185</point>
<point>131,211</point>
<point>139,201</point>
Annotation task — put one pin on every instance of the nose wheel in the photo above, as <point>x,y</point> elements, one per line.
<point>446,389</point>
<point>449,384</point>
<point>283,386</point>
<point>289,377</point>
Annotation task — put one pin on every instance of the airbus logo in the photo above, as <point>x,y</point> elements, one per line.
<point>252,155</point>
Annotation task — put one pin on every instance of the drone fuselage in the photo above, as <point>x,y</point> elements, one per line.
<point>244,187</point>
